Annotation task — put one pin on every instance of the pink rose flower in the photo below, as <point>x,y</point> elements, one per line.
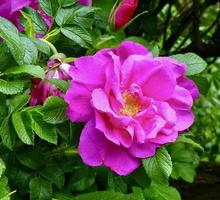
<point>131,102</point>
<point>42,90</point>
<point>10,9</point>
<point>123,13</point>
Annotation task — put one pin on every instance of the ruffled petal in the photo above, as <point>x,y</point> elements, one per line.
<point>95,150</point>
<point>190,86</point>
<point>90,70</point>
<point>143,150</point>
<point>128,48</point>
<point>17,5</point>
<point>184,120</point>
<point>92,145</point>
<point>178,69</point>
<point>160,85</point>
<point>181,99</point>
<point>165,138</point>
<point>120,161</point>
<point>79,107</point>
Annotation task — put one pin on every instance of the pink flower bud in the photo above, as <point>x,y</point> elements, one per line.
<point>42,89</point>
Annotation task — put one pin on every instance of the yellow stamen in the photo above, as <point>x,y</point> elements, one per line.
<point>132,107</point>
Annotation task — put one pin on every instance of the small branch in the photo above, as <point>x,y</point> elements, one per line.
<point>167,23</point>
<point>182,43</point>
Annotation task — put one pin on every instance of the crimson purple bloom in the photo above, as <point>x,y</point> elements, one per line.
<point>131,102</point>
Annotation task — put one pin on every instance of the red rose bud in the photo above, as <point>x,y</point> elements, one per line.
<point>123,13</point>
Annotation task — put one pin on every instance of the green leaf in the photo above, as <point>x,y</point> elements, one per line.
<point>60,84</point>
<point>6,25</point>
<point>29,27</point>
<point>7,134</point>
<point>116,183</point>
<point>202,83</point>
<point>85,16</point>
<point>54,110</point>
<point>18,102</point>
<point>138,192</point>
<point>49,6</point>
<point>21,122</point>
<point>65,16</point>
<point>39,24</point>
<point>2,168</point>
<point>76,15</point>
<point>184,155</point>
<point>81,179</point>
<point>62,196</point>
<point>79,35</point>
<point>4,189</point>
<point>4,55</point>
<point>43,130</point>
<point>11,87</point>
<point>53,173</point>
<point>186,171</point>
<point>33,70</point>
<point>159,167</point>
<point>31,158</point>
<point>66,3</point>
<point>40,189</point>
<point>42,46</point>
<point>195,64</point>
<point>31,52</point>
<point>161,192</point>
<point>10,34</point>
<point>187,140</point>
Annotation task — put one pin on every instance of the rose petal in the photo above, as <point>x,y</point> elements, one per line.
<point>120,161</point>
<point>128,48</point>
<point>143,150</point>
<point>181,99</point>
<point>184,120</point>
<point>92,145</point>
<point>190,86</point>
<point>78,98</point>
<point>160,85</point>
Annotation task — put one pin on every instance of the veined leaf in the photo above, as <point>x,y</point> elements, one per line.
<point>159,167</point>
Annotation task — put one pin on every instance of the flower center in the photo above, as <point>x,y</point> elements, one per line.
<point>132,106</point>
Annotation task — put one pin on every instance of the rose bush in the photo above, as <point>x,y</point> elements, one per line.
<point>97,101</point>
